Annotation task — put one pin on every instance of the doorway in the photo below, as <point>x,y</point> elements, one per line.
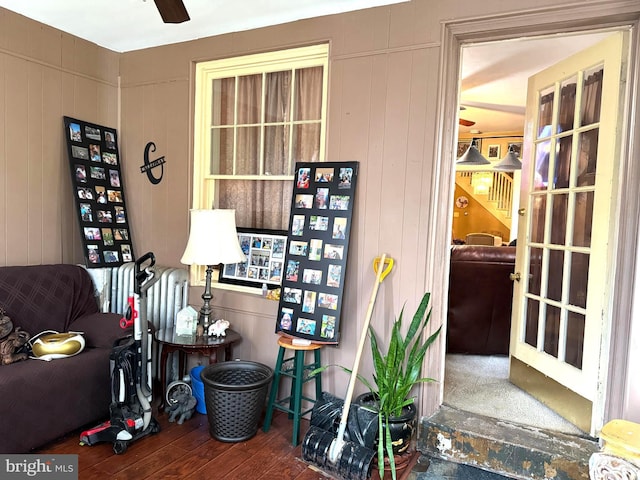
<point>480,383</point>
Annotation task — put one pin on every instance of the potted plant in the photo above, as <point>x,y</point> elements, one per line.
<point>396,371</point>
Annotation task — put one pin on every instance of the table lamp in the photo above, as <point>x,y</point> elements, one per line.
<point>213,239</point>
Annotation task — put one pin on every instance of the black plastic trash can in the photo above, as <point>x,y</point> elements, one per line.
<point>235,394</point>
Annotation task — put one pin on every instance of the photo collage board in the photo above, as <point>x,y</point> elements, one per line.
<point>316,257</point>
<point>97,187</point>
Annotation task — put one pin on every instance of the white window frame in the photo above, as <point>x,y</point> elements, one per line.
<point>204,183</point>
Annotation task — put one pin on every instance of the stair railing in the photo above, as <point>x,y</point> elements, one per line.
<point>501,192</point>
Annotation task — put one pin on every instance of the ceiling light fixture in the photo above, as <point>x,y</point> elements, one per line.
<point>509,163</point>
<point>472,157</point>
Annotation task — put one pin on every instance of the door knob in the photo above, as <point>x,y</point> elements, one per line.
<point>521,212</point>
<point>514,277</point>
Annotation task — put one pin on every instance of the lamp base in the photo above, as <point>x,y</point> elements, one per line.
<point>204,319</point>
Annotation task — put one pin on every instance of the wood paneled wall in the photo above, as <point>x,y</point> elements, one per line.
<point>44,75</point>
<point>383,88</point>
<point>382,94</point>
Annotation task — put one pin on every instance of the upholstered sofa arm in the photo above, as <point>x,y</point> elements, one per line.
<point>46,297</point>
<point>100,329</point>
<point>480,297</point>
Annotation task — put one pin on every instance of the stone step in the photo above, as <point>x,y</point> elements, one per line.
<point>431,468</point>
<point>508,449</point>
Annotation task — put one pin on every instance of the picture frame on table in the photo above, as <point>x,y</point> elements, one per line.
<point>265,251</point>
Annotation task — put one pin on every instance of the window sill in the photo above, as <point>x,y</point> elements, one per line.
<point>238,301</point>
<point>241,289</point>
<point>236,288</point>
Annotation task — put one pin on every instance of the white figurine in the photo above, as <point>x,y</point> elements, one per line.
<point>217,328</point>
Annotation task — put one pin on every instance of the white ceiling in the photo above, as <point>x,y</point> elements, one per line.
<point>493,75</point>
<point>124,25</point>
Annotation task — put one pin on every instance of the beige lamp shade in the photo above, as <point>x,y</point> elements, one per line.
<point>213,238</point>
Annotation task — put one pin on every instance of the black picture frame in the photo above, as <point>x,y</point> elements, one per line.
<point>316,260</point>
<point>265,250</point>
<point>98,190</point>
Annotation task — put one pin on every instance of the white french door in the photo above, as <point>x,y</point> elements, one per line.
<point>563,274</point>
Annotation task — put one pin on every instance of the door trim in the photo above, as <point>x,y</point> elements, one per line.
<point>535,22</point>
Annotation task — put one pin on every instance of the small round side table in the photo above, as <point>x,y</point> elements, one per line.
<point>215,348</point>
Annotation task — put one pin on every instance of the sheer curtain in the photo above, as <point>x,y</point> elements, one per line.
<point>258,204</point>
<point>266,203</point>
<point>308,102</point>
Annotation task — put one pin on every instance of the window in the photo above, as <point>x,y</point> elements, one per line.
<point>255,117</point>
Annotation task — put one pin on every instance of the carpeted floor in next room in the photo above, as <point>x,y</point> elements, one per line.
<point>480,384</point>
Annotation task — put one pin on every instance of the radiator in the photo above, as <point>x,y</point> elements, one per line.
<point>165,298</point>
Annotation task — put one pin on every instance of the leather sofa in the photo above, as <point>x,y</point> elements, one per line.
<point>480,296</point>
<point>41,401</point>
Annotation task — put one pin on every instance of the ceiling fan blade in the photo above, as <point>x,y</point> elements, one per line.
<point>465,123</point>
<point>172,11</point>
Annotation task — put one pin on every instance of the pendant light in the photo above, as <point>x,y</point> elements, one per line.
<point>472,157</point>
<point>509,163</point>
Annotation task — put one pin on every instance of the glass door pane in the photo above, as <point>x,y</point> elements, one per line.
<point>552,324</point>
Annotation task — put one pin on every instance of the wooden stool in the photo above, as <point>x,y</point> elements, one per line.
<point>295,368</point>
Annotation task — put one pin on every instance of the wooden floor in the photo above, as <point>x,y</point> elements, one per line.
<point>188,452</point>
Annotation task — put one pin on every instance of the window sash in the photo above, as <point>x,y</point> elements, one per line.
<point>211,120</point>
<point>292,60</point>
<point>283,105</point>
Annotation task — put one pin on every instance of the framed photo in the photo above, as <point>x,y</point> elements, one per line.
<point>462,147</point>
<point>265,251</point>
<point>517,148</point>
<point>315,260</point>
<point>493,152</point>
<point>99,193</point>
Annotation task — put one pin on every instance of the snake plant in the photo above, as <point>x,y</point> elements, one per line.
<point>396,371</point>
